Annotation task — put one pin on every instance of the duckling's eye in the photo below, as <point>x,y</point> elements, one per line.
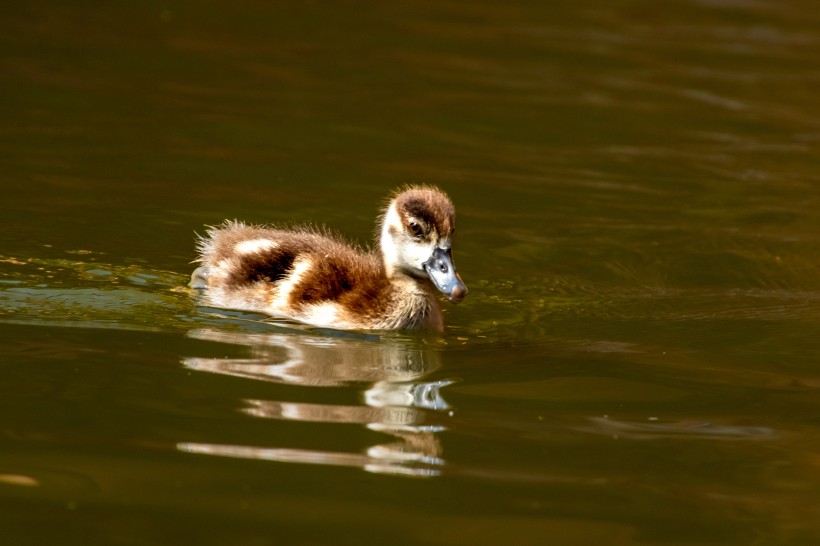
<point>415,229</point>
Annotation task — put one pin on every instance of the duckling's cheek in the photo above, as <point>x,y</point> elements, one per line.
<point>415,255</point>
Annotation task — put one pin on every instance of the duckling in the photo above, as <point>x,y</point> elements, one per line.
<point>311,276</point>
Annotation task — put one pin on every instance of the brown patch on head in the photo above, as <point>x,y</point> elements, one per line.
<point>430,205</point>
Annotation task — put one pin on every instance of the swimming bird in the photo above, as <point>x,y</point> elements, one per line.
<point>311,276</point>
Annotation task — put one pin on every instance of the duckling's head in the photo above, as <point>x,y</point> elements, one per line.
<point>416,238</point>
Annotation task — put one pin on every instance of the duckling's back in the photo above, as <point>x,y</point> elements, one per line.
<point>301,274</point>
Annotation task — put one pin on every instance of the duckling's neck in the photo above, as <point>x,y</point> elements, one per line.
<point>413,303</point>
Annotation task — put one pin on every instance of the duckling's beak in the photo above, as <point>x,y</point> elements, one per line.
<point>442,272</point>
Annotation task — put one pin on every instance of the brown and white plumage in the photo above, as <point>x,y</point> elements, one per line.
<point>313,277</point>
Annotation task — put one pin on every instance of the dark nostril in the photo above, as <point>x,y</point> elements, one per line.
<point>442,267</point>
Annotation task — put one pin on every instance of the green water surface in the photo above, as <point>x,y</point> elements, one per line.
<point>637,186</point>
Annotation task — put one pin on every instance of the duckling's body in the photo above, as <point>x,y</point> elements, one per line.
<point>313,277</point>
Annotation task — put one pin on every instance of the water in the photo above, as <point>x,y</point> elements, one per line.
<point>636,187</point>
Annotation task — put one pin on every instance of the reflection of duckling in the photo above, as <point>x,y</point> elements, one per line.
<point>311,277</point>
<point>394,368</point>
